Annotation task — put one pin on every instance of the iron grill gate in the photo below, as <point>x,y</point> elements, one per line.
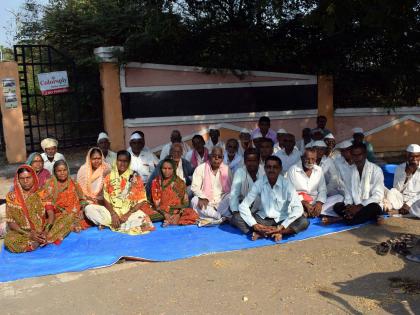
<point>69,117</point>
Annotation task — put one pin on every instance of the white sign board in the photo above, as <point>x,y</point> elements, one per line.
<point>53,82</point>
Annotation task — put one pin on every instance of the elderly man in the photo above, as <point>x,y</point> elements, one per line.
<point>104,144</point>
<point>343,163</point>
<point>280,213</point>
<point>244,179</point>
<point>363,199</point>
<point>264,129</point>
<point>245,141</point>
<point>211,184</point>
<point>289,155</point>
<point>359,137</point>
<point>142,160</point>
<point>175,138</point>
<point>404,197</point>
<point>308,179</point>
<point>331,151</point>
<point>281,134</point>
<point>50,154</point>
<point>231,156</point>
<point>184,169</point>
<point>199,154</point>
<point>214,140</point>
<point>332,178</point>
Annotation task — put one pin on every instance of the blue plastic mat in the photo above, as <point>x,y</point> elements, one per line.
<point>93,248</point>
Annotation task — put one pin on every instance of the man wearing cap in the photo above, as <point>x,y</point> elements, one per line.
<point>214,138</point>
<point>331,151</point>
<point>359,137</point>
<point>211,185</point>
<point>308,179</point>
<point>281,133</point>
<point>264,129</point>
<point>363,199</point>
<point>175,138</point>
<point>142,161</point>
<point>331,175</point>
<point>104,144</point>
<point>404,198</point>
<point>245,141</point>
<point>289,155</point>
<point>343,163</point>
<point>50,154</point>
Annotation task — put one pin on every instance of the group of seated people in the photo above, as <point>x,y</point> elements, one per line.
<point>263,183</point>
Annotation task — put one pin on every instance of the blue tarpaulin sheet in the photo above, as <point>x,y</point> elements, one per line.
<point>93,248</point>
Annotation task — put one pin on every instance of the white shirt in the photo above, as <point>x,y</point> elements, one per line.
<point>235,164</point>
<point>111,157</point>
<point>276,148</point>
<point>366,189</point>
<point>50,165</point>
<point>313,185</point>
<point>280,202</point>
<point>332,178</point>
<point>411,189</point>
<point>189,155</point>
<point>179,171</point>
<point>241,185</point>
<point>209,144</point>
<point>167,147</point>
<point>217,189</point>
<point>288,160</point>
<point>344,172</point>
<point>144,164</point>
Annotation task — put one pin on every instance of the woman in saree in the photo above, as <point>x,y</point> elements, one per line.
<point>64,196</point>
<point>170,198</point>
<point>124,197</point>
<point>30,226</point>
<point>91,176</point>
<point>36,161</point>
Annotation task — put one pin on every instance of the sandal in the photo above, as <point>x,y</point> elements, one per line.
<point>383,248</point>
<point>400,247</point>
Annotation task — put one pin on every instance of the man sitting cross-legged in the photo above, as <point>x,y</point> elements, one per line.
<point>281,211</point>
<point>308,180</point>
<point>363,199</point>
<point>211,184</point>
<point>404,198</point>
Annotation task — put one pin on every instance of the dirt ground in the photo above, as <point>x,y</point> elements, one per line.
<point>334,274</point>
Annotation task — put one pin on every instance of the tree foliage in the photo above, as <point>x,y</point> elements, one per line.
<point>370,47</point>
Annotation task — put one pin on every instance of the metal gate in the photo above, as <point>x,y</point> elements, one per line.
<point>72,118</point>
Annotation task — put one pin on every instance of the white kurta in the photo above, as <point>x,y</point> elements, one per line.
<point>369,188</point>
<point>332,177</point>
<point>218,205</point>
<point>288,160</point>
<point>144,164</point>
<point>167,147</point>
<point>405,191</point>
<point>50,165</point>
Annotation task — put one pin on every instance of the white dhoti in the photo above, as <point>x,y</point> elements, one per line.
<point>394,200</point>
<point>137,223</point>
<point>327,207</point>
<point>213,212</point>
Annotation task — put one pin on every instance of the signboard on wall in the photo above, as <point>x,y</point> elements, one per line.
<point>53,82</point>
<point>9,93</point>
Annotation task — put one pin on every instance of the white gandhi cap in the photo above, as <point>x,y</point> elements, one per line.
<point>413,148</point>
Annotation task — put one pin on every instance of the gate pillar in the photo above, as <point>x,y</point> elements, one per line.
<point>111,99</point>
<point>12,116</point>
<point>325,99</point>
